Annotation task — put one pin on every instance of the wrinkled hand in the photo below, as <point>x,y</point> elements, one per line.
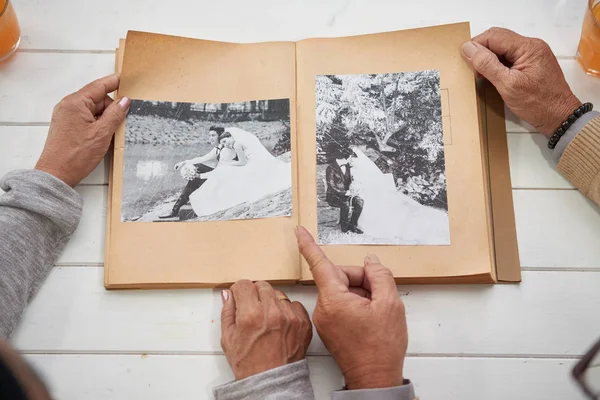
<point>526,74</point>
<point>82,127</point>
<point>359,316</point>
<point>261,329</point>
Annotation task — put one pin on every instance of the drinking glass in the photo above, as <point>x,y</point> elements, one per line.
<point>10,32</point>
<point>588,53</point>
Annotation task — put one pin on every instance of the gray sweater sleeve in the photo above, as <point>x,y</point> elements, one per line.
<point>38,214</point>
<point>405,392</point>
<point>289,382</point>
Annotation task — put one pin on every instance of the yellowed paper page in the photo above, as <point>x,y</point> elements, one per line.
<point>200,254</point>
<point>436,48</point>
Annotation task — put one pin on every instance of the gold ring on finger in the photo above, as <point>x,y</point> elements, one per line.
<point>282,297</point>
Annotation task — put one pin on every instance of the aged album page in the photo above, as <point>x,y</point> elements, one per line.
<point>153,254</point>
<point>387,84</point>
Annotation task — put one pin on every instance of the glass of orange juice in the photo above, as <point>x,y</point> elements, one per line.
<point>10,32</point>
<point>588,53</point>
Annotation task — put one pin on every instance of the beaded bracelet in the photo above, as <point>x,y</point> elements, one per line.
<point>583,109</point>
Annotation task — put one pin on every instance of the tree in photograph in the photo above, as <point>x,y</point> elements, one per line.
<point>396,114</point>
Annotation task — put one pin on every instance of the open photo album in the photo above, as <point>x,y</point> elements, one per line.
<point>379,143</point>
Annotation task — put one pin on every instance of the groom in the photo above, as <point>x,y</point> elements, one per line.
<point>205,163</point>
<point>339,178</point>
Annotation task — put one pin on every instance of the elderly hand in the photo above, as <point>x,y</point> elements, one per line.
<point>359,316</point>
<point>526,74</point>
<point>261,329</point>
<point>82,127</point>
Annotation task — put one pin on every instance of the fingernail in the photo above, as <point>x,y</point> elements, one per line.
<point>124,103</point>
<point>372,259</point>
<point>469,49</point>
<point>225,296</point>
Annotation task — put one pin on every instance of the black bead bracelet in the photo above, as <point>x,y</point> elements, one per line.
<point>583,109</point>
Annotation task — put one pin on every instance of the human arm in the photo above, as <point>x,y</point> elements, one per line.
<point>242,159</point>
<point>265,338</point>
<point>334,181</point>
<point>580,161</point>
<point>528,77</point>
<point>361,319</point>
<point>40,210</point>
<point>211,155</point>
<point>38,214</point>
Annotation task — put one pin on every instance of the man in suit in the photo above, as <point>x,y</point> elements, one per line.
<point>205,163</point>
<point>339,178</point>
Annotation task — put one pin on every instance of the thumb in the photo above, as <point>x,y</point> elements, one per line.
<point>113,116</point>
<point>485,62</point>
<point>381,280</point>
<point>228,312</point>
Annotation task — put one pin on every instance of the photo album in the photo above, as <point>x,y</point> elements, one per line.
<point>381,143</point>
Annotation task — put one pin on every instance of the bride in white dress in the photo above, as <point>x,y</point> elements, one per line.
<point>257,174</point>
<point>391,216</point>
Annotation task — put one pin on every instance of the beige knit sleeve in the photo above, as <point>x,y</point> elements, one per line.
<point>580,163</point>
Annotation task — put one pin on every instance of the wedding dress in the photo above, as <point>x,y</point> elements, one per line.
<point>390,216</point>
<point>228,185</point>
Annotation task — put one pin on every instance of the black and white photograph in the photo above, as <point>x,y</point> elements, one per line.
<point>381,176</point>
<point>207,161</point>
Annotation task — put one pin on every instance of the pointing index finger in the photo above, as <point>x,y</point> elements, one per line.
<point>325,273</point>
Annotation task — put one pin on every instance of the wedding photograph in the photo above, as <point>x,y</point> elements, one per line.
<point>193,162</point>
<point>381,176</point>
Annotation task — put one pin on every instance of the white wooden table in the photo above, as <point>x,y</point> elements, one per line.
<point>466,342</point>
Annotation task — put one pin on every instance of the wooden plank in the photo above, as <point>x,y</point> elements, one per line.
<point>531,163</point>
<point>33,83</point>
<point>37,81</point>
<point>41,80</point>
<point>557,229</point>
<point>22,146</point>
<point>76,314</point>
<point>451,378</point>
<point>95,377</point>
<point>154,377</point>
<point>59,24</point>
<point>543,217</point>
<point>584,86</point>
<point>87,243</point>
